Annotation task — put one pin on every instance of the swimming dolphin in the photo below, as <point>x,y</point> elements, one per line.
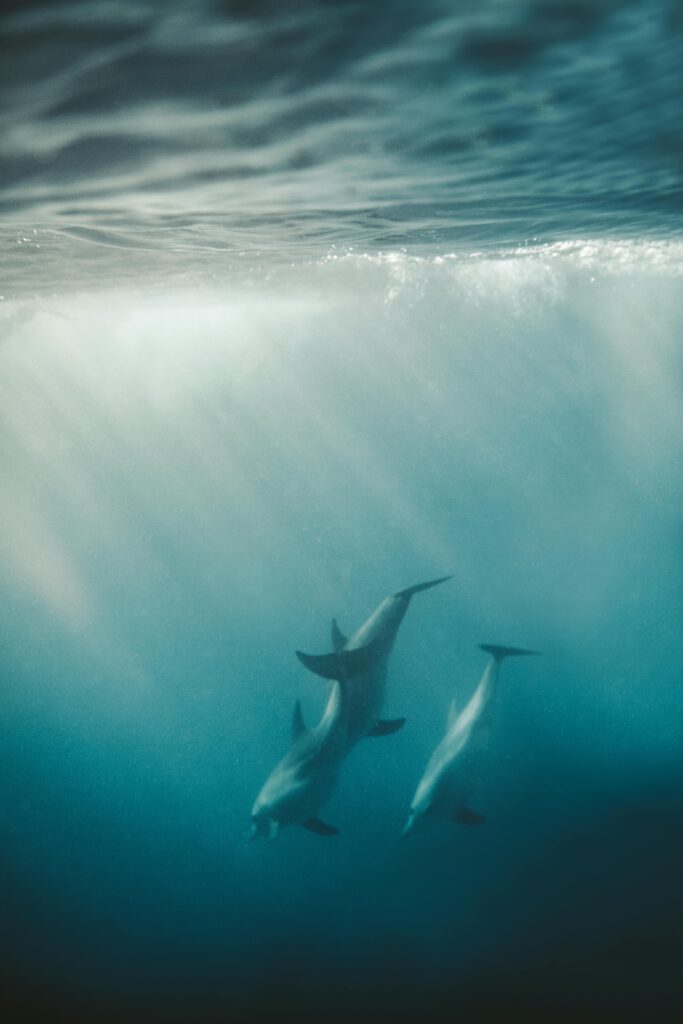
<point>366,689</point>
<point>446,786</point>
<point>306,777</point>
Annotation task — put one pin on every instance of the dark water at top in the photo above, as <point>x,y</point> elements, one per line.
<point>303,303</point>
<point>216,132</point>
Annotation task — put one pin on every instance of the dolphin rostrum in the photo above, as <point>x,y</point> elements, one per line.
<point>366,688</point>
<point>306,777</point>
<point>449,779</point>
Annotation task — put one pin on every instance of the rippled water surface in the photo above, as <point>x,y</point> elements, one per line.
<point>304,303</point>
<point>215,133</point>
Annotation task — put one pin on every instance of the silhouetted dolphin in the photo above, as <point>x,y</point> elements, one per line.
<point>446,786</point>
<point>307,775</point>
<point>366,689</point>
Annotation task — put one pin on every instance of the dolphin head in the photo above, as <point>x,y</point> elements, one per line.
<point>263,826</point>
<point>264,818</point>
<point>260,827</point>
<point>391,612</point>
<point>379,631</point>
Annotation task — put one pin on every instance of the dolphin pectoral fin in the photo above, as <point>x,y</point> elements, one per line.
<point>339,664</point>
<point>320,828</point>
<point>385,727</point>
<point>464,816</point>
<point>273,828</point>
<point>339,641</point>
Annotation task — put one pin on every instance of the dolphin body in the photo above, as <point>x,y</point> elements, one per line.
<point>446,787</point>
<point>306,777</point>
<point>367,687</point>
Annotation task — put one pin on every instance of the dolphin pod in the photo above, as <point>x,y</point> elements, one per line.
<point>307,776</point>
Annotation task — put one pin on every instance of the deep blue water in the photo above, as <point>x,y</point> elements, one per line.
<point>304,303</point>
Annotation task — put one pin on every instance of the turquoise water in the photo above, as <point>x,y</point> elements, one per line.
<point>302,305</point>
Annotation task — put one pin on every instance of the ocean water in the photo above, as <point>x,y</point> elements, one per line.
<point>302,304</point>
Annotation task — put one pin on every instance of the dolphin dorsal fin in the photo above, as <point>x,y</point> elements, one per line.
<point>452,714</point>
<point>339,641</point>
<point>298,724</point>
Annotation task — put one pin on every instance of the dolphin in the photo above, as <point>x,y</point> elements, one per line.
<point>306,777</point>
<point>446,786</point>
<point>367,687</point>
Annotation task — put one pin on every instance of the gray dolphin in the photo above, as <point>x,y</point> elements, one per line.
<point>306,777</point>
<point>446,787</point>
<point>367,687</point>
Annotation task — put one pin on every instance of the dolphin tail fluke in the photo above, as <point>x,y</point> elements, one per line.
<point>409,591</point>
<point>339,641</point>
<point>324,665</point>
<point>339,664</point>
<point>499,653</point>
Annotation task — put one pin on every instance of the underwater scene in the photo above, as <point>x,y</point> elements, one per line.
<point>341,511</point>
